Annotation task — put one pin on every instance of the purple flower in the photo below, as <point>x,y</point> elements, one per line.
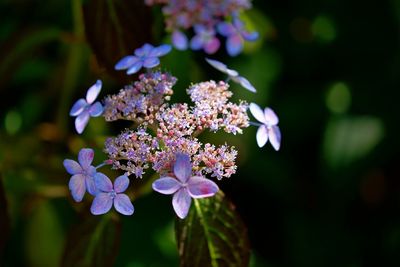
<point>82,174</point>
<point>179,40</point>
<point>204,39</point>
<point>269,127</point>
<point>184,186</point>
<point>235,34</point>
<point>145,56</point>
<point>83,109</point>
<point>109,195</point>
<point>233,74</point>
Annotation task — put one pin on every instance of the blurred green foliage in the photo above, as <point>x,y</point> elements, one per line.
<point>330,69</point>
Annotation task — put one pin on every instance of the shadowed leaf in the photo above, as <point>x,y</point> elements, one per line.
<point>212,234</point>
<point>115,28</point>
<point>94,242</point>
<point>4,219</point>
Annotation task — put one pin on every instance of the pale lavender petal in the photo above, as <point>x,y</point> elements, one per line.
<point>166,185</point>
<point>93,92</point>
<point>222,67</point>
<point>199,187</point>
<point>135,68</point>
<point>181,202</point>
<point>196,43</point>
<point>275,137</point>
<point>212,46</point>
<point>81,121</point>
<point>234,45</point>
<point>257,112</point>
<point>102,203</point>
<point>199,28</point>
<point>179,40</point>
<point>144,50</point>
<point>123,204</point>
<point>77,187</point>
<point>151,62</point>
<point>182,167</point>
<point>96,109</point>
<point>244,83</point>
<point>225,29</point>
<point>103,183</point>
<point>72,166</point>
<point>250,36</point>
<point>262,135</point>
<point>121,183</point>
<point>160,51</point>
<point>78,107</point>
<point>237,23</point>
<point>90,185</point>
<point>126,62</point>
<point>270,117</point>
<point>85,158</point>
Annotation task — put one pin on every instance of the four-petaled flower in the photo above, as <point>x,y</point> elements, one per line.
<point>184,186</point>
<point>204,39</point>
<point>109,195</point>
<point>83,109</point>
<point>232,74</point>
<point>269,128</point>
<point>82,174</point>
<point>235,34</point>
<point>145,56</point>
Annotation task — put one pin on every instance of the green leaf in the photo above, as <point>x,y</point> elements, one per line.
<point>94,242</point>
<point>213,234</point>
<point>115,28</point>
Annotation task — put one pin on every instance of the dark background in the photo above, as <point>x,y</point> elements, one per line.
<point>331,71</point>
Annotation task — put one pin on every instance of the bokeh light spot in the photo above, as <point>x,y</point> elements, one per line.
<point>323,29</point>
<point>12,122</point>
<point>338,98</point>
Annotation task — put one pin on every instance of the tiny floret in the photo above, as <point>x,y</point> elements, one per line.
<point>83,109</point>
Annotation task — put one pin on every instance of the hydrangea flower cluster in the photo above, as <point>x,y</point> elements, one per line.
<point>164,138</point>
<point>207,18</point>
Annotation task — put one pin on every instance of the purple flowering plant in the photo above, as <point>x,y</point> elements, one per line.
<point>207,18</point>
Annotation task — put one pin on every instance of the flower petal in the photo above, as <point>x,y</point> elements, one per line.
<point>123,204</point>
<point>121,183</point>
<point>78,107</point>
<point>135,68</point>
<point>250,36</point>
<point>225,29</point>
<point>160,51</point>
<point>101,204</point>
<point>262,135</point>
<point>93,92</point>
<point>72,166</point>
<point>85,158</point>
<point>126,62</point>
<point>151,62</point>
<point>196,43</point>
<point>81,121</point>
<point>96,109</point>
<point>182,167</point>
<point>179,40</point>
<point>77,187</point>
<point>199,187</point>
<point>181,202</point>
<point>212,46</point>
<point>166,185</point>
<point>234,45</point>
<point>91,185</point>
<point>144,50</point>
<point>222,67</point>
<point>270,117</point>
<point>103,183</point>
<point>257,112</point>
<point>275,137</point>
<point>244,83</point>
